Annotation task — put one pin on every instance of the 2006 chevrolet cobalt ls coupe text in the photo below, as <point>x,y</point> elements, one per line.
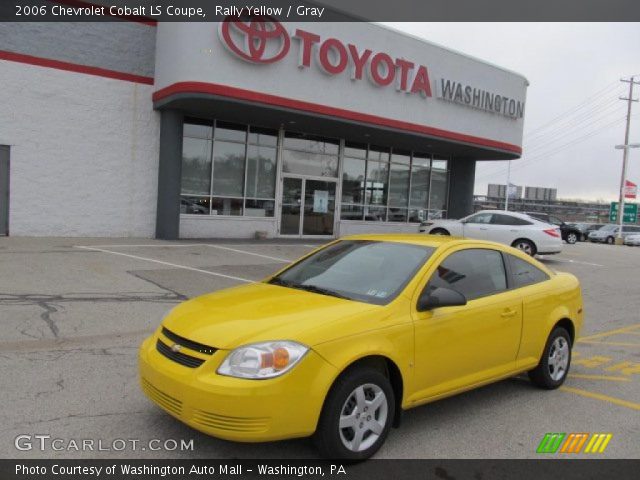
<point>337,344</point>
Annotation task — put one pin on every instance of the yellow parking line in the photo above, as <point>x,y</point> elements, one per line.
<point>604,398</point>
<point>615,344</point>
<point>600,377</point>
<point>610,332</point>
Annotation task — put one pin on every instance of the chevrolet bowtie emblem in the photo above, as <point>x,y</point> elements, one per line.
<point>176,348</point>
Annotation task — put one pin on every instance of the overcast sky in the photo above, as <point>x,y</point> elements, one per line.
<point>568,65</point>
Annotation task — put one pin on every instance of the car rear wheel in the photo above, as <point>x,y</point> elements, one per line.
<point>611,240</point>
<point>525,245</point>
<point>572,238</point>
<point>554,365</point>
<point>356,416</point>
<point>439,231</point>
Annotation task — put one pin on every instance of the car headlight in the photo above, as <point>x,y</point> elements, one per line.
<point>262,360</point>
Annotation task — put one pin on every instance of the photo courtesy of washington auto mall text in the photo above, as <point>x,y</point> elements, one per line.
<point>363,239</point>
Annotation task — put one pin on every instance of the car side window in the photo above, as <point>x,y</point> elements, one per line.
<point>474,273</point>
<point>480,218</point>
<point>555,220</point>
<point>523,273</point>
<point>499,219</point>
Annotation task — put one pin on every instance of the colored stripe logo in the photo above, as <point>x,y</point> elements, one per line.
<point>574,443</point>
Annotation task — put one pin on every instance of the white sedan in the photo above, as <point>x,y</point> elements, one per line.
<point>633,240</point>
<point>516,229</point>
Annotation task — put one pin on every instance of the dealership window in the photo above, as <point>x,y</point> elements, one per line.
<point>439,188</point>
<point>228,169</point>
<point>399,185</point>
<point>353,181</point>
<point>310,155</point>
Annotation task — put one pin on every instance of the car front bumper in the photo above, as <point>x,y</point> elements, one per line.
<point>233,408</point>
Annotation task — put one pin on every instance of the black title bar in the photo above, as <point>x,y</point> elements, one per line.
<point>151,11</point>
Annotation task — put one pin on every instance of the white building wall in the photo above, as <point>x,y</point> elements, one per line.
<point>84,153</point>
<point>204,226</point>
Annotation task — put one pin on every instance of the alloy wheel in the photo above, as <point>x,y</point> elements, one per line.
<point>572,238</point>
<point>558,358</point>
<point>525,247</point>
<point>363,417</point>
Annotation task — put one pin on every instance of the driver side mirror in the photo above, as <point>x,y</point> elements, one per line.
<point>440,297</point>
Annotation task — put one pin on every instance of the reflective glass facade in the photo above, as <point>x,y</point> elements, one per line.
<point>233,170</point>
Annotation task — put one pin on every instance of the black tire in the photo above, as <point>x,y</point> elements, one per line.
<point>546,375</point>
<point>439,231</point>
<point>329,437</point>
<point>611,240</point>
<point>572,237</point>
<point>527,246</point>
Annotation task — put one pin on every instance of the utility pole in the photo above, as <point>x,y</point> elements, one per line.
<point>506,190</point>
<point>625,155</point>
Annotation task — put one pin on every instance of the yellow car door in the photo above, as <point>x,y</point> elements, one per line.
<point>459,347</point>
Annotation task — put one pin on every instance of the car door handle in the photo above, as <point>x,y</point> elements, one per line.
<point>508,313</point>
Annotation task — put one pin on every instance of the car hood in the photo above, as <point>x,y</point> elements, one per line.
<point>259,312</point>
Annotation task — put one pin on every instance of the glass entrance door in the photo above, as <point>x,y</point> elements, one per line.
<point>308,207</point>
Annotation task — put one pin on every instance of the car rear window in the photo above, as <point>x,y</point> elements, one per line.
<point>524,273</point>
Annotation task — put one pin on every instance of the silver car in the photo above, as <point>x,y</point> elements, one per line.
<point>633,240</point>
<point>608,233</point>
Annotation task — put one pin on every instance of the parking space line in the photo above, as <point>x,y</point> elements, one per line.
<point>122,245</point>
<point>599,377</point>
<point>614,344</point>
<point>564,260</point>
<point>245,252</point>
<point>169,264</point>
<point>604,398</point>
<point>610,332</point>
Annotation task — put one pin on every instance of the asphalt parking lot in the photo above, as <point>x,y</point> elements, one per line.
<point>74,311</point>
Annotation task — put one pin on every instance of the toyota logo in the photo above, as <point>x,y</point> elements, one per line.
<point>261,39</point>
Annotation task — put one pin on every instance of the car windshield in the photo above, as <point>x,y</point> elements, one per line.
<point>363,270</point>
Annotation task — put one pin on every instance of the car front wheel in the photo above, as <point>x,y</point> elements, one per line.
<point>357,415</point>
<point>611,240</point>
<point>439,231</point>
<point>572,238</point>
<point>554,365</point>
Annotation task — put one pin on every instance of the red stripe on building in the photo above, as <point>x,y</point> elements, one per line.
<point>74,67</point>
<point>241,94</point>
<point>130,18</point>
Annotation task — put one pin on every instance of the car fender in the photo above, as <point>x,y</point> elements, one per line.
<point>395,343</point>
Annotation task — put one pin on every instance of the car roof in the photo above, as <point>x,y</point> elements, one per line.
<point>434,241</point>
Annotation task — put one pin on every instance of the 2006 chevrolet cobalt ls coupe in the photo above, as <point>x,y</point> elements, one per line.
<point>337,344</point>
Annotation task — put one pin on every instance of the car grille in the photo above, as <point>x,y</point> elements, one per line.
<point>181,358</point>
<point>167,402</point>
<point>234,424</point>
<point>198,347</point>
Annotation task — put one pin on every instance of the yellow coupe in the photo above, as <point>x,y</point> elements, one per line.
<point>339,343</point>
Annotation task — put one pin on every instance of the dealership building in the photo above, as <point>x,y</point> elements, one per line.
<point>210,130</point>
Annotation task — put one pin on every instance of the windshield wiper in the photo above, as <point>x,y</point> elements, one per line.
<point>284,283</point>
<point>308,288</point>
<point>321,290</point>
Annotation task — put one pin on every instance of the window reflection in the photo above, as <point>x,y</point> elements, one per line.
<point>223,163</point>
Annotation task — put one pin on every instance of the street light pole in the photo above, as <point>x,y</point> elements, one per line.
<point>625,154</point>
